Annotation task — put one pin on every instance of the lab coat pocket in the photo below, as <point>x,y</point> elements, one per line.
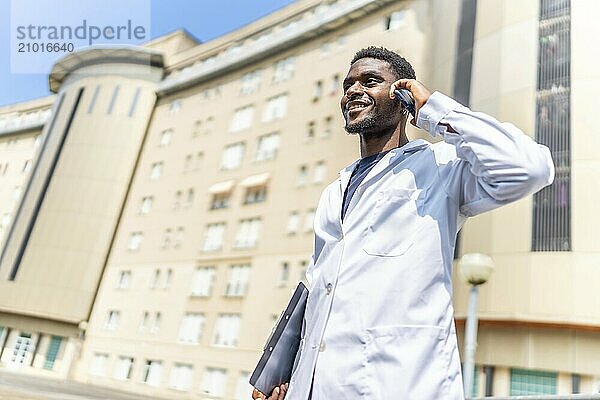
<point>393,223</point>
<point>408,362</point>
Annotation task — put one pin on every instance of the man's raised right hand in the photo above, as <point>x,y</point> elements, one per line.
<point>278,393</point>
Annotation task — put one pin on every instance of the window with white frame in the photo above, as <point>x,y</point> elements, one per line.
<point>168,279</point>
<point>123,368</point>
<point>275,108</point>
<point>239,275</point>
<point>17,193</point>
<point>250,82</point>
<point>310,130</point>
<point>111,322</point>
<point>267,147</point>
<point>327,127</point>
<point>27,166</point>
<point>146,205</point>
<point>214,381</point>
<point>317,90</point>
<point>232,156</point>
<point>188,162</point>
<point>167,237</point>
<point>152,373</point>
<point>175,106</point>
<point>395,20</point>
<point>165,137</point>
<point>189,198</point>
<point>124,280</point>
<point>177,200</point>
<point>135,240</point>
<point>309,220</point>
<point>320,172</point>
<point>199,159</point>
<point>335,85</point>
<point>144,322</point>
<point>248,233</point>
<point>156,321</point>
<point>284,69</point>
<point>243,389</point>
<point>220,200</point>
<point>302,175</point>
<point>227,330</point>
<point>181,377</point>
<point>155,282</point>
<point>156,170</point>
<point>179,237</point>
<point>5,221</point>
<point>213,238</point>
<point>284,274</point>
<point>202,281</point>
<point>190,330</point>
<point>209,125</point>
<point>293,222</point>
<point>255,194</point>
<point>197,129</point>
<point>242,119</point>
<point>99,364</point>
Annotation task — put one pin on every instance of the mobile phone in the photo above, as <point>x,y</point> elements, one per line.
<point>406,99</point>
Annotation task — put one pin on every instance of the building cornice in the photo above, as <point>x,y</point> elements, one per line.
<point>337,15</point>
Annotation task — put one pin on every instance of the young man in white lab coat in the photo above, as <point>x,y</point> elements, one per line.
<point>379,318</point>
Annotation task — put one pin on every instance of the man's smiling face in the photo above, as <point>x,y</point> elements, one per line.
<point>366,104</point>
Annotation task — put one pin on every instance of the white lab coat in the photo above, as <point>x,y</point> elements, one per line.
<point>379,318</point>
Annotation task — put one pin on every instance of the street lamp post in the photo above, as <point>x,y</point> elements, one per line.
<point>475,269</point>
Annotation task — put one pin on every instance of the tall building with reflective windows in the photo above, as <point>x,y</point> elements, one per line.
<point>156,212</point>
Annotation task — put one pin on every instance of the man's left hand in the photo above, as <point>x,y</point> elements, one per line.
<point>418,91</point>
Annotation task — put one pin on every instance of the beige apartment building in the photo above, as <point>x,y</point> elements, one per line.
<point>156,212</point>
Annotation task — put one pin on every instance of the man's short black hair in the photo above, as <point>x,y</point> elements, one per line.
<point>400,66</point>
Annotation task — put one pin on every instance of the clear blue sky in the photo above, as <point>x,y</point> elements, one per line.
<point>202,18</point>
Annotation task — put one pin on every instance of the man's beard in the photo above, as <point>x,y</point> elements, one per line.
<point>372,125</point>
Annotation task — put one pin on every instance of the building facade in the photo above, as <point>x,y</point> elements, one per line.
<point>157,210</point>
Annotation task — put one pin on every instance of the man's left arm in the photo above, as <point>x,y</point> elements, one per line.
<point>497,163</point>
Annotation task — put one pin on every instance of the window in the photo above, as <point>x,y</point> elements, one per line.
<point>179,237</point>
<point>135,239</point>
<point>156,170</point>
<point>293,223</point>
<point>152,372</point>
<point>134,102</point>
<point>213,382</point>
<point>325,49</point>
<point>156,322</point>
<point>113,100</point>
<point>144,323</point>
<point>335,85</point>
<point>175,106</point>
<point>189,199</point>
<point>242,119</point>
<point>317,90</point>
<point>302,175</point>
<point>124,279</point>
<point>154,283</point>
<point>310,130</point>
<point>123,368</point>
<point>275,108</point>
<point>309,220</point>
<point>51,352</point>
<point>27,166</point>
<point>327,128</point>
<point>166,242</point>
<point>177,201</point>
<point>529,382</point>
<point>284,70</point>
<point>111,322</point>
<point>267,147</point>
<point>395,20</point>
<point>146,205</point>
<point>238,280</point>
<point>284,274</point>
<point>94,98</point>
<point>98,365</point>
<point>168,279</point>
<point>303,266</point>
<point>213,239</point>
<point>248,233</point>
<point>188,162</point>
<point>232,156</point>
<point>191,328</point>
<point>202,281</point>
<point>4,168</point>
<point>243,389</point>
<point>250,82</point>
<point>197,130</point>
<point>17,193</point>
<point>181,377</point>
<point>220,200</point>
<point>199,159</point>
<point>227,330</point>
<point>320,171</point>
<point>255,194</point>
<point>166,136</point>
